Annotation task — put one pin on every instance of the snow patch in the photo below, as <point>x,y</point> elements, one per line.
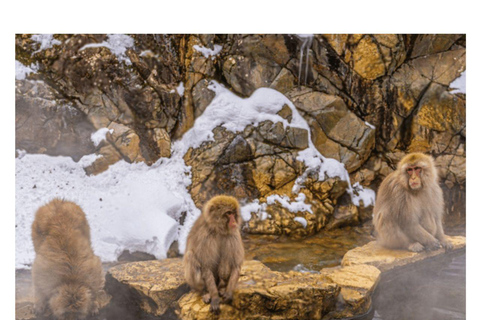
<point>459,85</point>
<point>208,52</point>
<point>117,43</point>
<point>22,71</point>
<point>180,89</point>
<point>359,192</point>
<point>292,206</point>
<point>301,220</point>
<point>254,207</point>
<point>370,125</point>
<point>46,41</point>
<point>100,135</point>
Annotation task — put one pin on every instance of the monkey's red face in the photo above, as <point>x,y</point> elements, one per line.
<point>415,180</point>
<point>232,219</point>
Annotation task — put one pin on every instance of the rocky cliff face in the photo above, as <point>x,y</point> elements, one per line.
<point>367,99</point>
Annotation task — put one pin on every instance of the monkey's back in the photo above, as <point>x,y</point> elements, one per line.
<point>61,238</point>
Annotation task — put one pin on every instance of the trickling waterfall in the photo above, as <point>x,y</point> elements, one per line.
<point>307,40</point>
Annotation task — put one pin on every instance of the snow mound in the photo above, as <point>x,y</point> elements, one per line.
<point>129,206</point>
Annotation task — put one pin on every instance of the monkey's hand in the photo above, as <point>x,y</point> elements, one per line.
<point>221,292</point>
<point>227,297</point>
<point>416,247</point>
<point>215,305</point>
<point>39,308</point>
<point>447,245</point>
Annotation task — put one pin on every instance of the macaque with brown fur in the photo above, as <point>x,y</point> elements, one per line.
<point>214,253</point>
<point>67,276</point>
<point>409,207</point>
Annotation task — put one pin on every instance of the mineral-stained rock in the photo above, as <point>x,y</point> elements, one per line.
<point>387,259</point>
<point>371,56</point>
<point>426,44</point>
<point>336,131</point>
<point>246,74</point>
<point>157,288</point>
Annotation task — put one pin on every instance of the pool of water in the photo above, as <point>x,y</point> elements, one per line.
<point>310,254</point>
<point>431,290</point>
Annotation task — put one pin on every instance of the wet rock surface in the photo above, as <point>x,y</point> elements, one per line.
<point>386,259</point>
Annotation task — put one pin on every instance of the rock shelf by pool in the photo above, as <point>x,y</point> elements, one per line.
<point>384,259</point>
<point>157,287</point>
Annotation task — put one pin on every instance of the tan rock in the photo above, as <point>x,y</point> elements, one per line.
<point>357,284</point>
<point>154,283</point>
<point>163,142</point>
<point>159,287</point>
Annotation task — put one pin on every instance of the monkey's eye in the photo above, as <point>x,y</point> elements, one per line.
<point>418,169</point>
<point>410,170</point>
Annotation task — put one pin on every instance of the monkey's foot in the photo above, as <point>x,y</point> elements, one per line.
<point>447,245</point>
<point>215,306</point>
<point>227,297</point>
<point>206,298</point>
<point>95,308</point>
<point>434,245</point>
<point>416,247</point>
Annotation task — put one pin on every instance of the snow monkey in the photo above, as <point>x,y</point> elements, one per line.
<point>67,276</point>
<point>409,208</point>
<point>214,253</point>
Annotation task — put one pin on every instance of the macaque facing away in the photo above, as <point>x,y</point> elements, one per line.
<point>214,253</point>
<point>67,276</point>
<point>409,207</point>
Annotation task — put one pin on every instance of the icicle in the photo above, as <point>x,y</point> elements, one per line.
<point>307,40</point>
<point>300,62</point>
